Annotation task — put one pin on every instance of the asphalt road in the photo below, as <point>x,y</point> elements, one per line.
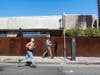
<point>13,69</point>
<point>85,70</point>
<point>49,69</point>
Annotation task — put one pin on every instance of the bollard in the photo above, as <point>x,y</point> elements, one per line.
<point>73,49</point>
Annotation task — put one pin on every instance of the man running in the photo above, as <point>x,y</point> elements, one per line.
<point>48,48</point>
<point>29,55</point>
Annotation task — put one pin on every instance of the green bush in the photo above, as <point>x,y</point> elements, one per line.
<point>74,32</point>
<point>92,32</point>
<point>79,32</point>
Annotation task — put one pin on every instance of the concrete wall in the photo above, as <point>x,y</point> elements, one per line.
<point>32,22</point>
<point>82,21</point>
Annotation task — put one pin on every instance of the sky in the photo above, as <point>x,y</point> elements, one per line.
<point>9,8</point>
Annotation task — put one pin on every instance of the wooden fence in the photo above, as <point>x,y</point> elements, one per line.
<point>85,46</point>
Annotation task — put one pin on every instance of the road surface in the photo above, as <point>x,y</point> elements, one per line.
<point>49,69</point>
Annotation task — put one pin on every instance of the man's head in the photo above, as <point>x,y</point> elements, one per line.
<point>32,39</point>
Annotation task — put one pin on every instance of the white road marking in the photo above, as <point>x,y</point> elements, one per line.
<point>70,71</point>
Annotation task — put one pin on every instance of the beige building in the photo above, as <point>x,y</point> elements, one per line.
<point>33,25</point>
<point>32,22</point>
<point>81,21</point>
<point>39,25</point>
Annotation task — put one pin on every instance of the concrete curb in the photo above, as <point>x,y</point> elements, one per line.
<point>56,60</point>
<point>87,63</point>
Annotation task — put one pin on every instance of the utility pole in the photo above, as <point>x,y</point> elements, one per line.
<point>64,29</point>
<point>98,1</point>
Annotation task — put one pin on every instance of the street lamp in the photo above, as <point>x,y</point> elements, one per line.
<point>98,1</point>
<point>64,29</point>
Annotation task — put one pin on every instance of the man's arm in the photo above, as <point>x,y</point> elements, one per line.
<point>34,45</point>
<point>28,44</point>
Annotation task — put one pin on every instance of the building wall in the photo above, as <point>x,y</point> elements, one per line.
<point>81,21</point>
<point>32,22</point>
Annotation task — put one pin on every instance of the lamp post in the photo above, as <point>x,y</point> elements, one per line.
<point>63,23</point>
<point>98,1</point>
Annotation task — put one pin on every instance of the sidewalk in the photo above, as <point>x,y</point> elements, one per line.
<point>56,60</point>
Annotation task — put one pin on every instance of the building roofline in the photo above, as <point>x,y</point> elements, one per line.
<point>32,16</point>
<point>35,30</point>
<point>80,14</point>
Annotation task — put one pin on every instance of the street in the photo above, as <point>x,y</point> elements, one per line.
<point>13,69</point>
<point>81,70</point>
<point>49,69</point>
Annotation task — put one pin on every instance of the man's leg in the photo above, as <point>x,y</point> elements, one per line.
<point>21,59</point>
<point>50,52</point>
<point>31,57</point>
<point>44,54</point>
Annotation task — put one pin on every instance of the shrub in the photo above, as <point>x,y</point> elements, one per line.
<point>93,32</point>
<point>74,32</point>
